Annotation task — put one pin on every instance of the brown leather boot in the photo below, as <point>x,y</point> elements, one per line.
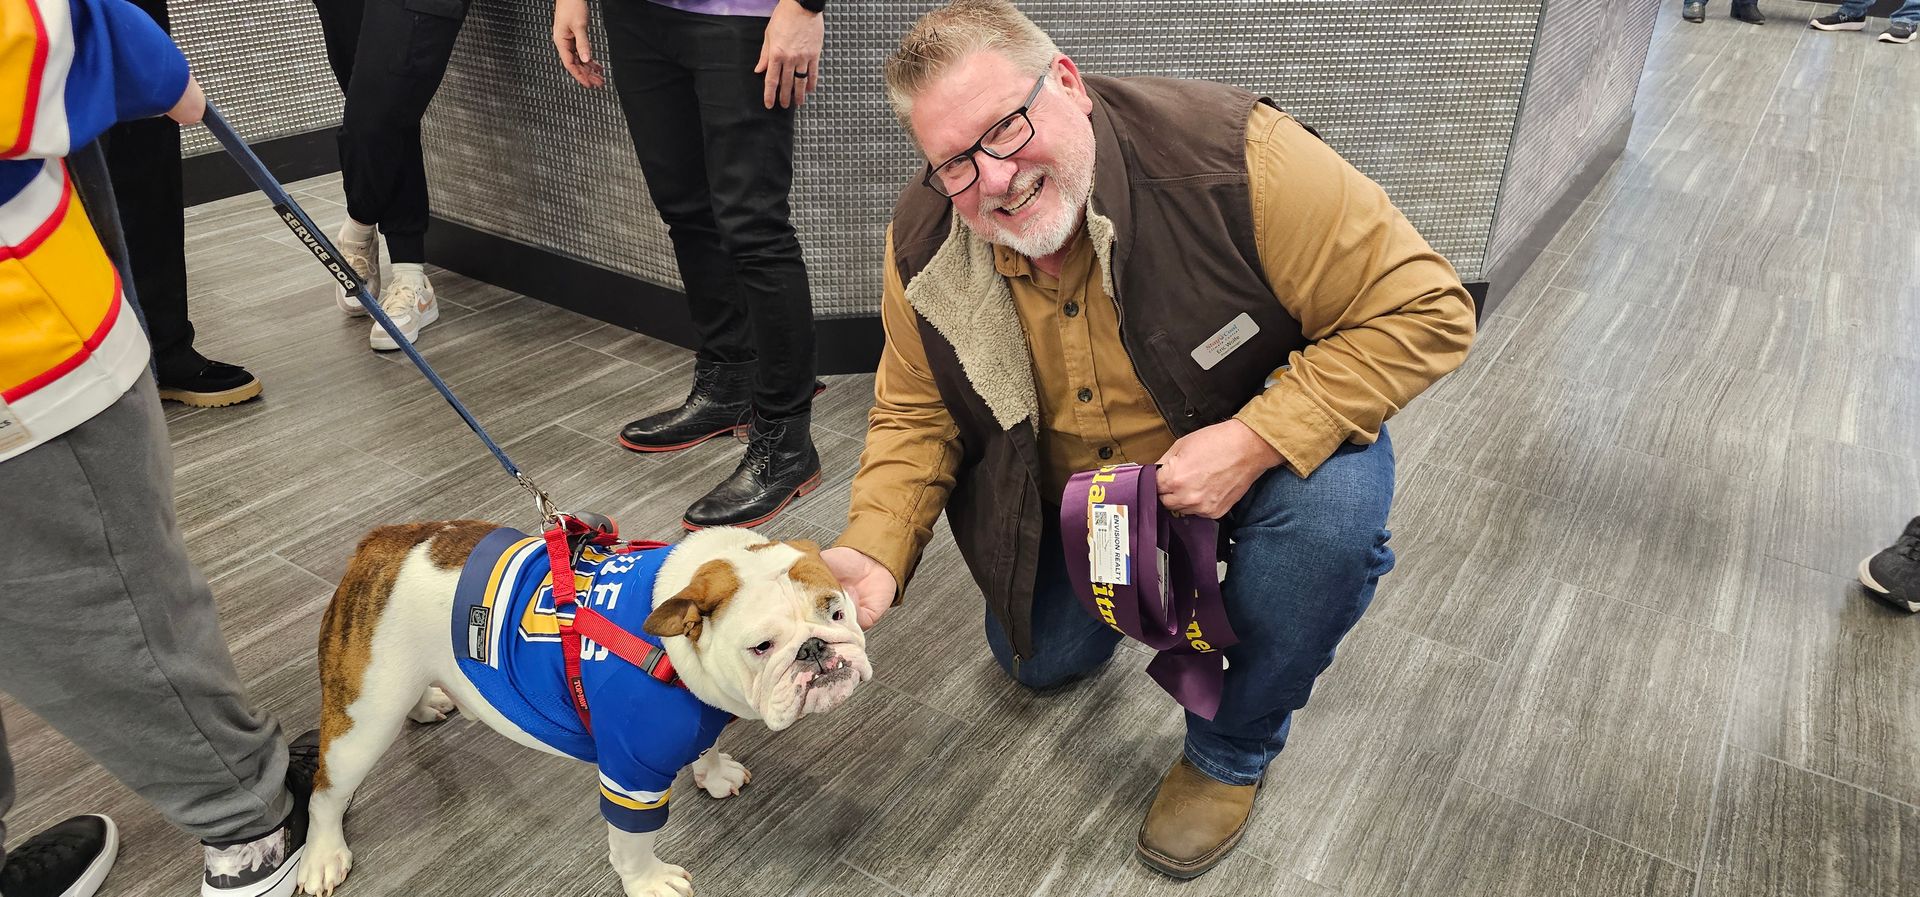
<point>1194,822</point>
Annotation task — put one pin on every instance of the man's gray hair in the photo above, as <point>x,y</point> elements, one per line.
<point>952,33</point>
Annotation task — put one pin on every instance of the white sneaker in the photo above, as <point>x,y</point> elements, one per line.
<point>411,305</point>
<point>364,259</point>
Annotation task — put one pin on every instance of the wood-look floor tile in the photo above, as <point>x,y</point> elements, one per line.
<point>1352,797</point>
<point>1867,400</point>
<point>1838,503</point>
<point>842,880</point>
<point>1489,846</point>
<point>1627,269</point>
<point>1865,314</point>
<point>950,832</point>
<point>1784,832</point>
<point>812,791</point>
<point>1535,431</point>
<point>1829,682</point>
<point>1755,328</point>
<point>1470,559</point>
<point>1669,536</point>
<point>1610,716</point>
<point>1526,292</point>
<point>641,349</point>
<point>1708,412</point>
<point>1584,337</point>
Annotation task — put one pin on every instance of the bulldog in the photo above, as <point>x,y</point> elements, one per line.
<point>434,617</point>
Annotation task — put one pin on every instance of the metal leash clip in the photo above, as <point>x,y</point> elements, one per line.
<point>549,512</point>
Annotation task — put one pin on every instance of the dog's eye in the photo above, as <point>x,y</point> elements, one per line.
<point>839,615</point>
<point>762,648</point>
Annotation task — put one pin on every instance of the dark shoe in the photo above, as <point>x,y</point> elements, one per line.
<point>718,405</point>
<point>71,859</point>
<point>1838,22</point>
<point>1694,12</point>
<point>1194,822</point>
<point>208,384</point>
<point>781,465</point>
<point>1899,33</point>
<point>1748,12</point>
<point>265,866</point>
<point>1893,575</point>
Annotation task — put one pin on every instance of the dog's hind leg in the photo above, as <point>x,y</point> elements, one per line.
<point>372,677</point>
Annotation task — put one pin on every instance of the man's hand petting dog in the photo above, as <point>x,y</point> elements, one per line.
<point>1207,471</point>
<point>869,584</point>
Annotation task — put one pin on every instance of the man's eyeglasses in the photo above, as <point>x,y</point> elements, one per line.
<point>1007,136</point>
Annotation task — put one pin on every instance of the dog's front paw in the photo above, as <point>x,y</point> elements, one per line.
<point>720,775</point>
<point>662,880</point>
<point>323,868</point>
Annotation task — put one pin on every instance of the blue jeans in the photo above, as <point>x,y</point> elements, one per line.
<point>1307,554</point>
<point>1908,11</point>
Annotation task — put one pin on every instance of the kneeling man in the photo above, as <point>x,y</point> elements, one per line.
<point>1092,271</point>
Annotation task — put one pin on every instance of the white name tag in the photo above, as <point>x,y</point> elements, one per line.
<point>13,433</point>
<point>1224,341</point>
<point>1110,555</point>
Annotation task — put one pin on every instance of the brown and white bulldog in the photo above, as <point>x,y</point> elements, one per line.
<point>756,628</point>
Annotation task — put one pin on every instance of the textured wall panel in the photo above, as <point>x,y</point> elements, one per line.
<point>1585,73</point>
<point>1420,94</point>
<point>261,62</point>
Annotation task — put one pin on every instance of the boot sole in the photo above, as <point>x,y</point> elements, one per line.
<point>802,491</point>
<point>1848,26</point>
<point>219,399</point>
<point>1882,592</point>
<point>738,430</point>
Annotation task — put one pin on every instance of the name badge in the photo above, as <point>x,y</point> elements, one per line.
<point>13,432</point>
<point>1110,553</point>
<point>1224,341</point>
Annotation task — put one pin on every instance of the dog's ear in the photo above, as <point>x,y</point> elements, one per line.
<point>674,616</point>
<point>712,586</point>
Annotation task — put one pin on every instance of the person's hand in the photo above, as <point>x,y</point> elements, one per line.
<point>192,106</point>
<point>1207,471</point>
<point>570,38</point>
<point>870,585</point>
<point>790,54</point>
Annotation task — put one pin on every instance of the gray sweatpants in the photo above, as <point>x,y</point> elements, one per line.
<point>109,633</point>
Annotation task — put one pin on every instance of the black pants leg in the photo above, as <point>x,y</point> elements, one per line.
<point>389,56</point>
<point>143,159</point>
<point>719,166</point>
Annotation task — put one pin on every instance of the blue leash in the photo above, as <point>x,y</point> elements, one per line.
<point>323,249</point>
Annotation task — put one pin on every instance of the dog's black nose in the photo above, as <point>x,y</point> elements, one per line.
<point>812,651</point>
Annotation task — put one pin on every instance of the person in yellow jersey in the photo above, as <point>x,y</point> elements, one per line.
<point>107,632</point>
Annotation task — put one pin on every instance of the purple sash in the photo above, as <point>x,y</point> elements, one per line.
<point>1151,576</point>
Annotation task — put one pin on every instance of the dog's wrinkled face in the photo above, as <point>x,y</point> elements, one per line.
<point>760,629</point>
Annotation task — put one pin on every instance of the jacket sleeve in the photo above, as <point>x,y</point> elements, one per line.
<point>1385,314</point>
<point>70,69</point>
<point>912,453</point>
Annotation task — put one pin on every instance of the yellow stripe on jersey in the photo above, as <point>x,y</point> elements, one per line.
<point>21,57</point>
<point>36,335</point>
<point>621,800</point>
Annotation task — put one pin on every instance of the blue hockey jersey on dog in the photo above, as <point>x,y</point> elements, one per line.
<point>506,637</point>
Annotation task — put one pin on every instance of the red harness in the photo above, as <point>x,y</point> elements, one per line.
<point>568,534</point>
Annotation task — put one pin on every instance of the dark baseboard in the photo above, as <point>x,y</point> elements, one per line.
<point>843,345</point>
<point>1507,271</point>
<point>211,176</point>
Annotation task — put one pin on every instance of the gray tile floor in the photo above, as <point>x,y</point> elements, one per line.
<point>1622,653</point>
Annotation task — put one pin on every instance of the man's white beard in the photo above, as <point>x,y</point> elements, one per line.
<point>1045,236</point>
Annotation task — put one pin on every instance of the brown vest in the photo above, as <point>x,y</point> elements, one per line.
<point>1171,222</point>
